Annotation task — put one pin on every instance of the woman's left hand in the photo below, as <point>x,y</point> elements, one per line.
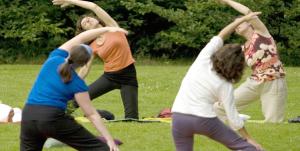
<point>62,3</point>
<point>255,144</point>
<point>112,146</point>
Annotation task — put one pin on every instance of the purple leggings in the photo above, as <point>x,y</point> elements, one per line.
<point>185,126</point>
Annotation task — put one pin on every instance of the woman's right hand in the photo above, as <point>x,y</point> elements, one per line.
<point>112,146</point>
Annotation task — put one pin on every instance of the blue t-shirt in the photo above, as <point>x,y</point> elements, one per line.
<point>49,88</point>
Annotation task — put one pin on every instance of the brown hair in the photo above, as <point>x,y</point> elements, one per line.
<point>79,56</point>
<point>78,24</point>
<point>229,62</point>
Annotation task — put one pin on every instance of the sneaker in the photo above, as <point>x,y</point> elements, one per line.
<point>244,117</point>
<point>106,114</point>
<point>117,141</point>
<point>295,120</point>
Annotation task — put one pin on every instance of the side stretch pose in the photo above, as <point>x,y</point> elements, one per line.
<point>267,81</point>
<point>44,113</point>
<point>209,80</point>
<point>114,50</point>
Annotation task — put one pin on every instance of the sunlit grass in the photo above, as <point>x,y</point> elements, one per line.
<point>158,85</point>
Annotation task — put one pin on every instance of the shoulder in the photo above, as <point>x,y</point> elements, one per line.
<point>217,39</point>
<point>212,46</point>
<point>115,34</point>
<point>78,82</point>
<point>263,34</point>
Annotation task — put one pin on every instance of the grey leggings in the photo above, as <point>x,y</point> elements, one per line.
<point>185,126</point>
<point>129,94</point>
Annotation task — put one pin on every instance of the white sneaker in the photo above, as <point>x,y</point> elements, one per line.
<point>244,117</point>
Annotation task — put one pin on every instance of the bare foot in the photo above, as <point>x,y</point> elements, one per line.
<point>10,115</point>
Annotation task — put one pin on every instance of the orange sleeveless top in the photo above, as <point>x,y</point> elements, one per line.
<point>114,52</point>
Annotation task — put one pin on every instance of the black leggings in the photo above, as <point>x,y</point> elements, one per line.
<point>35,132</point>
<point>129,94</point>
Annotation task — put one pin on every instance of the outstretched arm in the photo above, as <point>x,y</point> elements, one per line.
<point>88,36</point>
<point>237,6</point>
<point>226,31</point>
<point>102,14</point>
<point>257,24</point>
<point>84,71</point>
<point>90,112</point>
<point>243,132</point>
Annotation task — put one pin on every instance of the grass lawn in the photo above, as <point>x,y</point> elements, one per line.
<point>158,85</point>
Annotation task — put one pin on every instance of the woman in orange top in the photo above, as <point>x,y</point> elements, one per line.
<point>114,50</point>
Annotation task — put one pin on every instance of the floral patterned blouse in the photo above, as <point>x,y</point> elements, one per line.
<point>262,56</point>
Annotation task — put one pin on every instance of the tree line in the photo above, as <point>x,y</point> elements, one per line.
<point>158,28</point>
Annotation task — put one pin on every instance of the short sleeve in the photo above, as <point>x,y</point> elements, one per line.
<point>78,84</point>
<point>214,45</point>
<point>59,52</point>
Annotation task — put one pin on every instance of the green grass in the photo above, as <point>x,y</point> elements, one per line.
<point>158,85</point>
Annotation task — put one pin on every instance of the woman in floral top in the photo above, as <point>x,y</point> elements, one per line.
<point>267,81</point>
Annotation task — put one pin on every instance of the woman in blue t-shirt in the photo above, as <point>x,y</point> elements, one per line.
<point>44,113</point>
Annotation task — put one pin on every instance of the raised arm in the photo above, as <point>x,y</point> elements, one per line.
<point>237,6</point>
<point>88,36</point>
<point>257,24</point>
<point>226,31</point>
<point>103,15</point>
<point>84,71</point>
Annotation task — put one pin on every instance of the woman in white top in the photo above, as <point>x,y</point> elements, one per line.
<point>209,80</point>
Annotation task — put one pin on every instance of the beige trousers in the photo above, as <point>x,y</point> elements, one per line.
<point>272,95</point>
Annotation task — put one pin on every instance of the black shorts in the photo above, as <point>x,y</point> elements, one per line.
<point>126,76</point>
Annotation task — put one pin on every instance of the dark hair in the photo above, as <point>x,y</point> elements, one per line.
<point>78,24</point>
<point>229,62</point>
<point>79,56</point>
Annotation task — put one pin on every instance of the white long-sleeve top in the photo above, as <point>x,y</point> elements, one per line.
<point>202,87</point>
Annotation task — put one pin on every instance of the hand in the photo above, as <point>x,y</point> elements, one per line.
<point>112,146</point>
<point>250,16</point>
<point>255,144</point>
<point>222,1</point>
<point>115,29</point>
<point>62,3</point>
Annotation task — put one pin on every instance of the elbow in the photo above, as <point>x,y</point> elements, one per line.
<point>248,11</point>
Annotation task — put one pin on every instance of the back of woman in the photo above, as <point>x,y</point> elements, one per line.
<point>49,88</point>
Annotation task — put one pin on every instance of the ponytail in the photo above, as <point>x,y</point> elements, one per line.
<point>65,71</point>
<point>79,56</point>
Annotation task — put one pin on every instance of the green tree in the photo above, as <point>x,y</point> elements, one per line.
<point>26,28</point>
<point>158,28</point>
